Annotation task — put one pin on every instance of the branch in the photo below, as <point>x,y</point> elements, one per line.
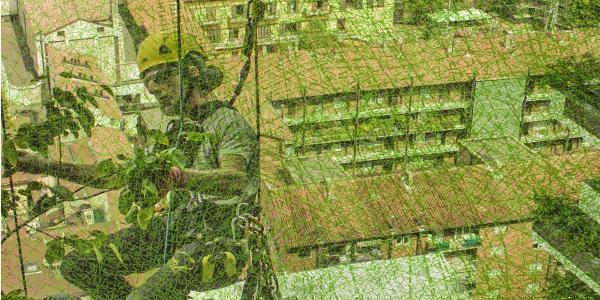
<point>26,223</point>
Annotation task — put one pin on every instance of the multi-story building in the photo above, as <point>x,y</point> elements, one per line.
<point>480,220</point>
<point>97,32</point>
<point>292,24</point>
<point>471,127</point>
<point>386,112</point>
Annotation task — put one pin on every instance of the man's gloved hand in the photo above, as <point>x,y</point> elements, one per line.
<point>174,177</point>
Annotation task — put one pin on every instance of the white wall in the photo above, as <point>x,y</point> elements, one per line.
<point>8,7</point>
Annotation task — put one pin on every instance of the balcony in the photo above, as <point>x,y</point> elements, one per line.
<point>385,111</point>
<point>540,117</point>
<point>551,95</point>
<point>314,11</point>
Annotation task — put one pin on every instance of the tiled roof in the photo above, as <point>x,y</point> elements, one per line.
<point>437,199</point>
<point>46,16</point>
<point>293,74</point>
<point>159,15</point>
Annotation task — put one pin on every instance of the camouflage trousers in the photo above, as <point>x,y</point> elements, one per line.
<point>190,236</point>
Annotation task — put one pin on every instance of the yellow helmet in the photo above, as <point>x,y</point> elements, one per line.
<point>161,48</point>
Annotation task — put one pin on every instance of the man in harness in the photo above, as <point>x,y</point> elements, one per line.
<point>220,177</point>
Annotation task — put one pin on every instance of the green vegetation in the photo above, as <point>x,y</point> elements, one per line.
<point>583,13</point>
<point>582,231</point>
<point>137,32</point>
<point>568,286</point>
<point>571,76</point>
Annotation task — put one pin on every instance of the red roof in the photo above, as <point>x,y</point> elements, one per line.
<point>437,199</point>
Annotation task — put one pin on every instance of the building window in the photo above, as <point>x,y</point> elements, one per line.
<point>341,24</point>
<point>351,4</point>
<point>237,11</point>
<point>234,34</point>
<point>213,34</point>
<point>60,33</point>
<point>374,3</point>
<point>303,253</point>
<point>501,229</point>
<point>211,14</point>
<point>290,28</point>
<point>32,268</point>
<point>292,6</point>
<point>320,4</point>
<point>367,250</point>
<point>271,48</point>
<point>403,240</point>
<point>272,9</point>
<point>264,31</point>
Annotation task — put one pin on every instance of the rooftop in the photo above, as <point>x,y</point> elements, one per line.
<point>292,75</point>
<point>46,16</point>
<point>375,207</point>
<point>497,150</point>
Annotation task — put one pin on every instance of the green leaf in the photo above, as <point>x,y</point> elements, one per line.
<point>105,168</point>
<point>83,94</point>
<point>44,204</point>
<point>142,128</point>
<point>178,158</point>
<point>67,100</point>
<point>86,120</point>
<point>36,137</point>
<point>149,188</point>
<point>72,125</point>
<point>66,74</point>
<point>99,237</point>
<point>62,193</point>
<point>55,251</point>
<point>15,295</point>
<point>144,216</point>
<point>97,252</point>
<point>10,152</point>
<point>6,204</point>
<point>126,198</point>
<point>131,215</point>
<point>24,193</point>
<point>195,136</point>
<point>80,245</point>
<point>107,89</point>
<point>116,251</point>
<point>35,186</point>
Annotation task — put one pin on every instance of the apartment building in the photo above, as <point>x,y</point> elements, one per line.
<point>287,23</point>
<point>391,114</point>
<point>479,220</point>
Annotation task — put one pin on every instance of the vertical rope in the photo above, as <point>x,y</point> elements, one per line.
<point>14,204</point>
<point>178,13</point>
